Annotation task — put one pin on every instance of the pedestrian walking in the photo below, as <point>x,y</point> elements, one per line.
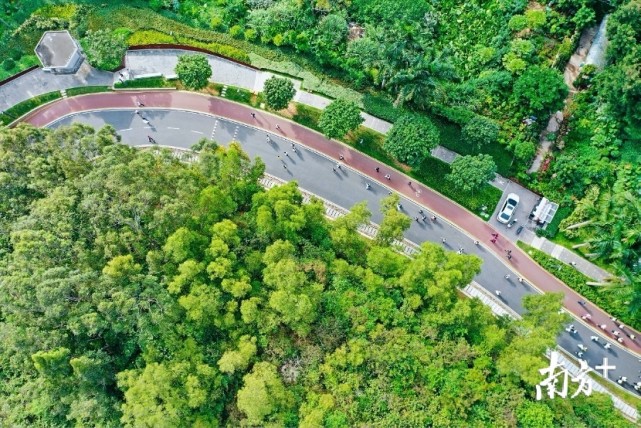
<point>621,326</point>
<point>378,169</point>
<point>586,317</point>
<point>493,240</point>
<point>388,177</point>
<point>341,157</point>
<point>409,183</point>
<point>581,302</point>
<point>424,218</point>
<point>278,127</point>
<point>603,327</point>
<point>286,154</point>
<point>137,112</point>
<point>367,186</point>
<point>520,279</point>
<point>338,166</point>
<point>399,207</point>
<point>459,252</point>
<point>420,211</point>
<point>583,347</point>
<point>509,256</point>
<point>293,146</point>
<point>443,240</point>
<point>594,338</point>
<point>433,218</point>
<point>253,115</point>
<point>607,346</point>
<point>632,336</point>
<point>613,319</point>
<point>616,333</point>
<point>151,140</point>
<point>139,103</point>
<point>476,242</point>
<point>573,264</point>
<point>620,339</point>
<point>284,165</point>
<point>333,169</point>
<point>146,121</point>
<point>579,354</point>
<point>496,235</point>
<point>498,293</point>
<point>416,218</point>
<point>507,276</point>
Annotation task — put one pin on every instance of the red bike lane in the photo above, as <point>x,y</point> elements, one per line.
<point>455,214</point>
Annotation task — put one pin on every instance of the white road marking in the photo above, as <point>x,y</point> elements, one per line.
<point>196,132</point>
<point>171,127</point>
<point>121,130</point>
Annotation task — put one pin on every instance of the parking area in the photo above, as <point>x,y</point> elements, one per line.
<point>527,201</point>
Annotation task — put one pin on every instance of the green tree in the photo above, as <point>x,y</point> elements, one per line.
<point>193,71</point>
<point>105,50</point>
<point>540,90</point>
<point>278,92</point>
<point>411,139</point>
<point>481,131</point>
<point>471,172</point>
<point>340,117</point>
<point>261,395</point>
<point>394,223</point>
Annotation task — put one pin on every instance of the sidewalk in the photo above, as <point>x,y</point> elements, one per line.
<point>566,256</point>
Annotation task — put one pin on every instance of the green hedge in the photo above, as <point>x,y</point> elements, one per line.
<point>147,82</point>
<point>87,90</point>
<point>25,107</point>
<point>307,116</point>
<point>381,107</point>
<point>238,94</point>
<point>603,297</point>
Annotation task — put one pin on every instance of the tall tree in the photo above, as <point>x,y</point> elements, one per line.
<point>340,117</point>
<point>471,172</point>
<point>278,92</point>
<point>193,71</point>
<point>411,139</point>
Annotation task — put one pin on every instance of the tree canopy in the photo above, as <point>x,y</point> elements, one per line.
<point>541,90</point>
<point>137,290</point>
<point>193,71</point>
<point>340,117</point>
<point>105,50</point>
<point>411,139</point>
<point>278,92</point>
<point>471,172</point>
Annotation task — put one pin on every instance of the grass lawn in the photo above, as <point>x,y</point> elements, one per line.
<point>24,107</point>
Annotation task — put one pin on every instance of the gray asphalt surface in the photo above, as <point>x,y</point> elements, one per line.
<point>345,187</point>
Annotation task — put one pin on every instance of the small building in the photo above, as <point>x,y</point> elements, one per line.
<point>58,52</point>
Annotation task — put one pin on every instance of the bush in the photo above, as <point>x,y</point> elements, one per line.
<point>149,37</point>
<point>471,172</point>
<point>411,139</point>
<point>307,116</point>
<point>8,64</point>
<point>87,90</point>
<point>481,131</point>
<point>238,94</point>
<point>104,50</point>
<point>148,82</point>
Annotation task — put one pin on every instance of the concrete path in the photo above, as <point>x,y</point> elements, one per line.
<point>38,82</point>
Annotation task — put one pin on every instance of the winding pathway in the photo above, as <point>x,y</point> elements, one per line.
<point>466,222</point>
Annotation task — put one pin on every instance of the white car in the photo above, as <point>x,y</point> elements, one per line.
<point>508,208</point>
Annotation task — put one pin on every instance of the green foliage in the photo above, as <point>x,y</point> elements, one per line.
<point>481,131</point>
<point>138,290</point>
<point>146,82</point>
<point>340,117</point>
<point>411,139</point>
<point>278,92</point>
<point>72,92</point>
<point>307,116</point>
<point>471,172</point>
<point>540,90</point>
<point>8,64</point>
<point>104,49</point>
<point>381,107</point>
<point>193,71</point>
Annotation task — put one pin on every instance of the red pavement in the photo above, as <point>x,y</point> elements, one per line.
<point>443,207</point>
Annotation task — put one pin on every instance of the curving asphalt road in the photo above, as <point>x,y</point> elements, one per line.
<point>180,119</point>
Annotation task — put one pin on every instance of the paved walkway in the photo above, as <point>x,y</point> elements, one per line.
<point>38,82</point>
<point>443,207</point>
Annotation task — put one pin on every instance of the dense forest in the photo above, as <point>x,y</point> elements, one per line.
<point>141,291</point>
